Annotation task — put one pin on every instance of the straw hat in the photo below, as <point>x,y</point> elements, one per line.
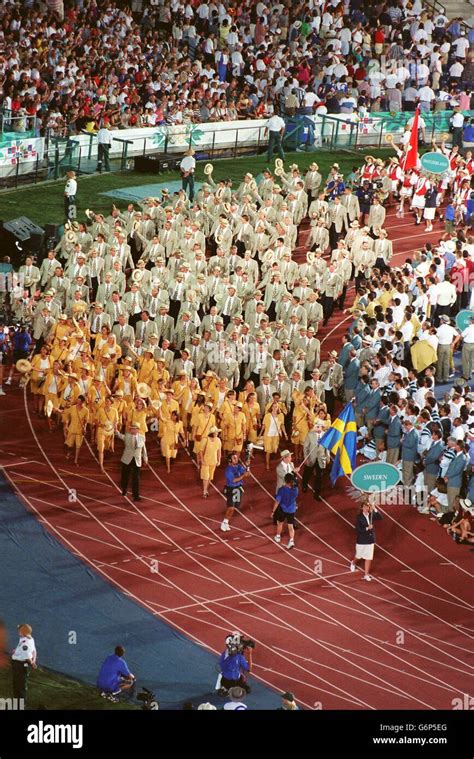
<point>144,390</point>
<point>137,275</point>
<point>23,366</point>
<point>208,169</point>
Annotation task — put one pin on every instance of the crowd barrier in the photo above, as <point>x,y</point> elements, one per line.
<point>22,153</point>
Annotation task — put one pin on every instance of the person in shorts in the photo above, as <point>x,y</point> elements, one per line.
<point>285,508</point>
<point>365,537</point>
<point>234,487</point>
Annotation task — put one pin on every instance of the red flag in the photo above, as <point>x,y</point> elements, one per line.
<point>411,157</point>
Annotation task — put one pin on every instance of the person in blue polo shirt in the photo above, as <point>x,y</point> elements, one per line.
<point>234,487</point>
<point>285,509</point>
<point>114,676</point>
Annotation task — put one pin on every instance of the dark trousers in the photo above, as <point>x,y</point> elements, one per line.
<point>241,683</point>
<point>341,299</point>
<point>20,673</point>
<point>328,308</point>
<point>457,137</point>
<point>133,319</point>
<point>70,210</point>
<point>133,470</point>
<point>103,157</point>
<point>189,182</point>
<point>329,400</point>
<point>274,143</point>
<point>335,236</point>
<point>175,306</point>
<point>94,286</point>
<point>440,310</point>
<point>318,476</point>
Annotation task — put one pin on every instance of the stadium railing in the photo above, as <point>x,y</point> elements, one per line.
<point>26,158</point>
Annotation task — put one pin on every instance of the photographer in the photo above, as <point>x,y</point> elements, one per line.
<point>285,508</point>
<point>234,476</point>
<point>114,676</point>
<point>234,665</point>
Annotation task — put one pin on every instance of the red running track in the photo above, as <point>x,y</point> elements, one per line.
<point>400,642</point>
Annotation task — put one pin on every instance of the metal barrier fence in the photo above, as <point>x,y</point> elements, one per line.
<point>372,129</point>
<point>51,157</point>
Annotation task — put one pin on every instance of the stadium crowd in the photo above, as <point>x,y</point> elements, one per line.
<point>191,323</point>
<point>99,63</point>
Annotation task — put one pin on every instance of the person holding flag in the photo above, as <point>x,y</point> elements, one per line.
<point>341,440</point>
<point>409,160</point>
<point>365,537</point>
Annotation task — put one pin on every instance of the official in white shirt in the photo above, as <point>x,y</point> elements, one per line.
<point>70,192</point>
<point>275,127</point>
<point>23,659</point>
<point>187,168</point>
<point>104,143</point>
<point>468,350</point>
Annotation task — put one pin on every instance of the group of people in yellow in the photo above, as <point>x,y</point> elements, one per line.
<point>94,390</point>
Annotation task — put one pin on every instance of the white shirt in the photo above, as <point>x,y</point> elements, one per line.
<point>275,124</point>
<point>458,119</point>
<point>426,93</point>
<point>104,137</point>
<point>446,334</point>
<point>446,293</point>
<point>71,188</point>
<point>25,649</point>
<point>188,163</point>
<point>468,335</point>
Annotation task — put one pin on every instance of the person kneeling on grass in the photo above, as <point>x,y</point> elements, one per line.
<point>285,509</point>
<point>114,676</point>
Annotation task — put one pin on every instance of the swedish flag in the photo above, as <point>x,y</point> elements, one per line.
<point>341,440</point>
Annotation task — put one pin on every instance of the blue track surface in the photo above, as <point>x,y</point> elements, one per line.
<point>45,585</point>
<point>133,194</point>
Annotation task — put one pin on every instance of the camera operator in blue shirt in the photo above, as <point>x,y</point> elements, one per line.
<point>114,676</point>
<point>233,666</point>
<point>234,487</point>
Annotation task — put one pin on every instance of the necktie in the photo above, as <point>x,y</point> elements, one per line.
<point>121,332</point>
